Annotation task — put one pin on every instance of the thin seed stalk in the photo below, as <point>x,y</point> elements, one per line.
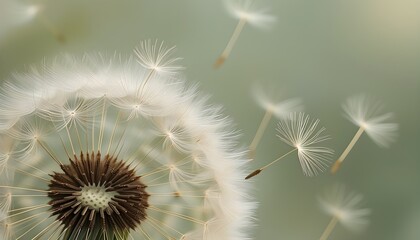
<point>145,81</point>
<point>328,230</point>
<point>340,160</point>
<point>96,234</point>
<point>258,171</point>
<point>260,132</point>
<point>226,52</point>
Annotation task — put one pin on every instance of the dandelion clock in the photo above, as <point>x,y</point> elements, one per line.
<point>368,115</point>
<point>272,106</point>
<point>247,12</point>
<point>345,208</point>
<point>117,148</point>
<point>302,133</point>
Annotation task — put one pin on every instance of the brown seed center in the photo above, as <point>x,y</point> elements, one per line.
<point>97,193</point>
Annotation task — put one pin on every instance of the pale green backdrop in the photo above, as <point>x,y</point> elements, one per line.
<point>321,51</point>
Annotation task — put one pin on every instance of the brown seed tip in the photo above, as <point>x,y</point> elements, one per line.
<point>335,167</point>
<point>219,62</point>
<point>254,173</point>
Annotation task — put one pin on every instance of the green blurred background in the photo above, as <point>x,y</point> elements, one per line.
<point>320,51</point>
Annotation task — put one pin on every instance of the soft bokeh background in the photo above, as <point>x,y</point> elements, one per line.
<point>321,51</point>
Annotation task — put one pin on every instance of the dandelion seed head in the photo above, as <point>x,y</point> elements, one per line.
<point>248,11</point>
<point>347,207</point>
<point>83,189</point>
<point>99,148</point>
<point>368,113</point>
<point>302,133</point>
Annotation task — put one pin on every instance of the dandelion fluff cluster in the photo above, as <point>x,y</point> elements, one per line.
<point>89,144</point>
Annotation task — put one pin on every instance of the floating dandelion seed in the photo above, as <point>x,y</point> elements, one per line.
<point>366,114</point>
<point>157,57</point>
<point>302,134</point>
<point>345,208</point>
<point>243,10</point>
<point>280,109</point>
<point>90,156</point>
<point>15,13</point>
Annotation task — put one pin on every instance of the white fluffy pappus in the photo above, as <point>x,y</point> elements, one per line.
<point>270,102</point>
<point>345,208</point>
<point>303,134</point>
<point>14,14</point>
<point>251,12</point>
<point>177,153</point>
<point>158,57</point>
<point>246,12</point>
<point>366,113</point>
